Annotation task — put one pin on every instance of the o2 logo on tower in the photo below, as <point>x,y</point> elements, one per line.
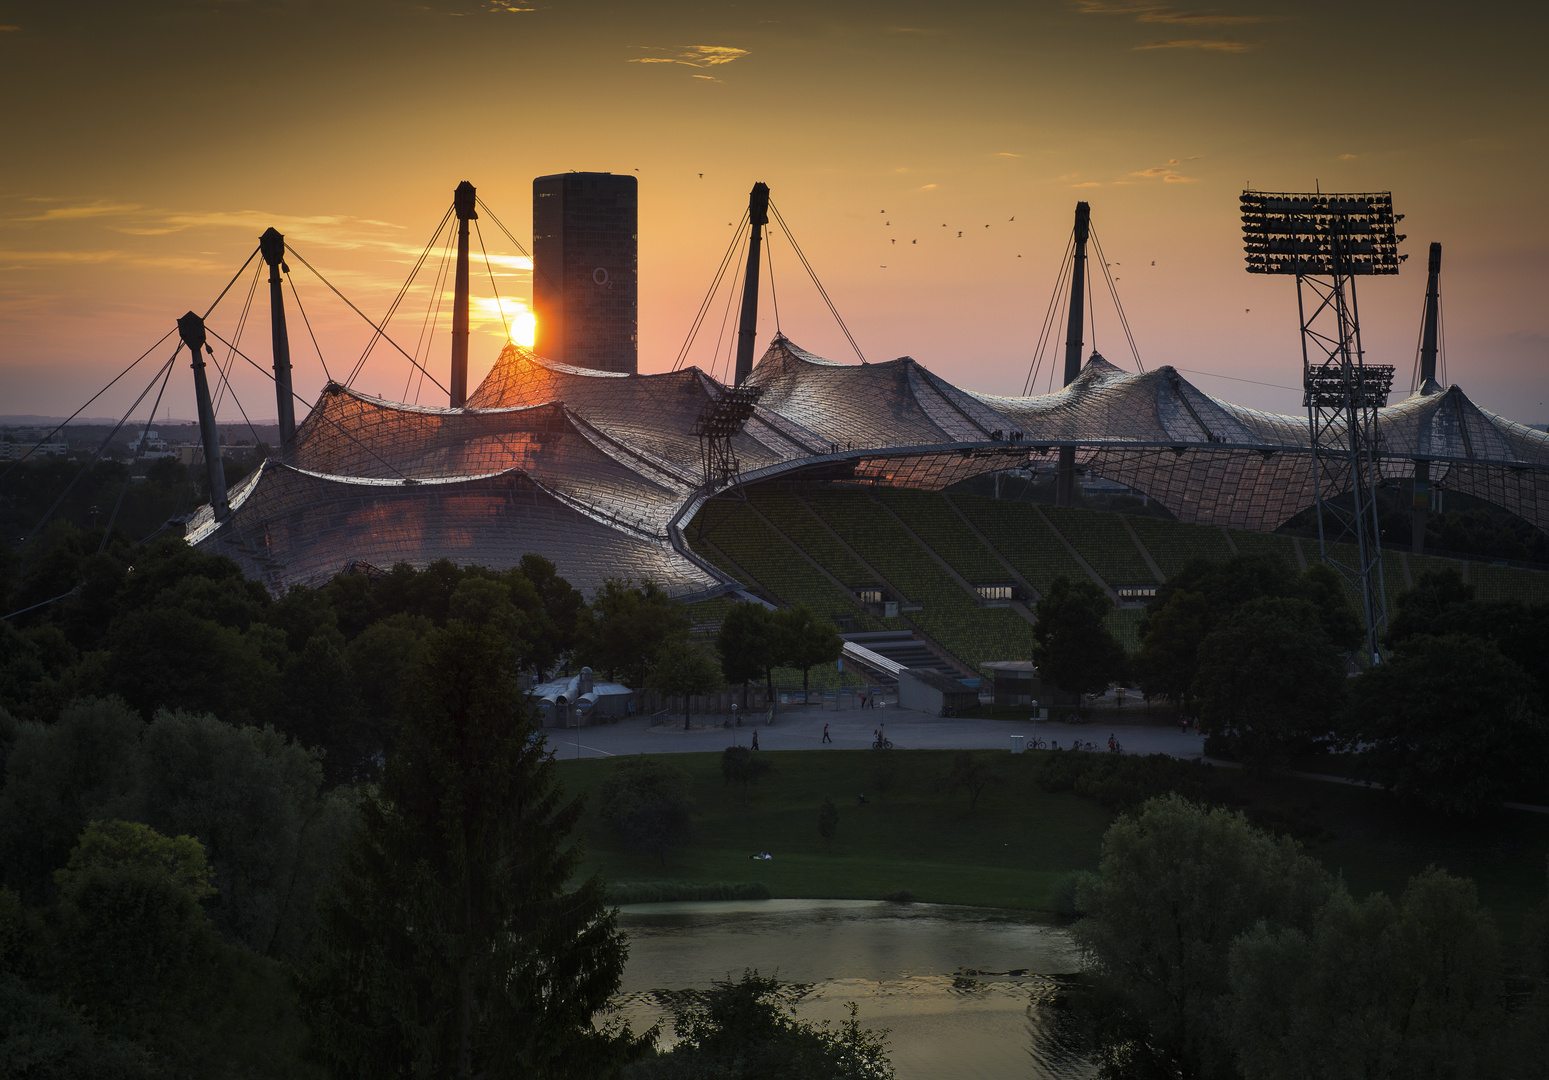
<point>600,277</point>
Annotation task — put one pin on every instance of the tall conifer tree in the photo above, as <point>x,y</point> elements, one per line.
<point>452,946</point>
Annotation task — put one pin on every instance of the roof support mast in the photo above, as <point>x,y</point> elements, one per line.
<point>272,245</point>
<point>1065,482</point>
<point>1420,499</point>
<point>747,328</point>
<point>191,329</point>
<point>463,200</point>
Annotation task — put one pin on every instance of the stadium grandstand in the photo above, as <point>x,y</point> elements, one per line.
<point>837,502</point>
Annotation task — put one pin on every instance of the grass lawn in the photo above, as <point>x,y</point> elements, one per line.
<point>1020,845</point>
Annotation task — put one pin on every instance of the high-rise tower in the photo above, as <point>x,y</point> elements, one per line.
<point>585,241</point>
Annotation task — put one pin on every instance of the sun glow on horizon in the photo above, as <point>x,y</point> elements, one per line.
<point>509,317</point>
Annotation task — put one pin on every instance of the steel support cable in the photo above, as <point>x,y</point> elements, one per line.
<point>734,296</point>
<point>129,475</point>
<point>308,323</point>
<point>490,270</point>
<point>1091,306</point>
<point>43,603</point>
<point>773,296</point>
<point>133,364</point>
<point>362,314</point>
<point>535,268</point>
<point>230,283</point>
<point>343,430</point>
<point>103,446</point>
<point>1113,291</point>
<point>813,274</point>
<point>715,284</point>
<point>432,311</point>
<point>224,372</point>
<point>1048,318</point>
<point>381,331</point>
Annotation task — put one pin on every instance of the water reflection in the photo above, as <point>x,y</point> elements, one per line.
<point>966,992</point>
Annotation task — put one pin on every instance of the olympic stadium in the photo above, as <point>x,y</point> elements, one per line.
<point>806,480</point>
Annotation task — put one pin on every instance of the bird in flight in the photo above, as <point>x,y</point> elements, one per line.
<point>701,176</point>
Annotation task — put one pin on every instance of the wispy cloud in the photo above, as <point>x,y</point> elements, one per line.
<point>699,56</point>
<point>508,6</point>
<point>1208,44</point>
<point>1148,11</point>
<point>98,208</point>
<point>9,29</point>
<point>1004,153</point>
<point>1168,173</point>
<point>13,258</point>
<point>1347,157</point>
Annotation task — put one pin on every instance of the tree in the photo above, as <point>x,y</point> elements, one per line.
<point>457,943</point>
<point>828,821</point>
<point>683,669</point>
<point>739,765</point>
<point>1449,723</point>
<point>320,708</point>
<point>746,642</point>
<point>256,804</point>
<point>59,777</point>
<point>1072,645</point>
<point>745,1031</point>
<point>1175,887</point>
<point>969,773</point>
<point>1269,681</point>
<point>562,603</point>
<point>804,641</point>
<point>629,624</point>
<point>1371,989</point>
<point>1168,658</point>
<point>646,801</point>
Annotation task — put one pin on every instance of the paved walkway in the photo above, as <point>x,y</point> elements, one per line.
<point>801,728</point>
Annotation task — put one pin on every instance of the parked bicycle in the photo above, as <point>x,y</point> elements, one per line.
<point>1037,744</point>
<point>947,710</point>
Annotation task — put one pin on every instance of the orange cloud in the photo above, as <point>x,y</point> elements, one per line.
<point>1210,45</point>
<point>1146,11</point>
<point>699,56</point>
<point>99,208</point>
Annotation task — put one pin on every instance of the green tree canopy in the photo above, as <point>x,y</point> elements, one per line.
<point>1371,988</point>
<point>747,641</point>
<point>457,943</point>
<point>628,625</point>
<point>647,802</point>
<point>740,766</point>
<point>745,1030</point>
<point>1269,681</point>
<point>1449,723</point>
<point>1072,645</point>
<point>1175,886</point>
<point>802,640</point>
<point>682,669</point>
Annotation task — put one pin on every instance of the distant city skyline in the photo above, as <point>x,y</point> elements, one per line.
<point>151,144</point>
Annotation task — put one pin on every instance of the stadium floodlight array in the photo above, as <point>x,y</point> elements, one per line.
<point>1321,234</point>
<point>727,413</point>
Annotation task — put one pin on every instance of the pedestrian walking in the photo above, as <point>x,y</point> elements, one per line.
<point>825,734</point>
<point>755,738</point>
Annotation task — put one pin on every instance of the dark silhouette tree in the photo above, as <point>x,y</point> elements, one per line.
<point>804,641</point>
<point>741,766</point>
<point>457,943</point>
<point>1072,645</point>
<point>683,669</point>
<point>828,821</point>
<point>747,643</point>
<point>1269,683</point>
<point>646,801</point>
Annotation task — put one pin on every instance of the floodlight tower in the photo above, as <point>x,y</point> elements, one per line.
<point>1326,242</point>
<point>722,417</point>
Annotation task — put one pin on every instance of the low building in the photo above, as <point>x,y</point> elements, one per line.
<point>579,700</point>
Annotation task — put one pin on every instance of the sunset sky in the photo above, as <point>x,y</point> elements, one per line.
<point>146,145</point>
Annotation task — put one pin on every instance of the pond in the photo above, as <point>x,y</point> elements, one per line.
<point>966,992</point>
